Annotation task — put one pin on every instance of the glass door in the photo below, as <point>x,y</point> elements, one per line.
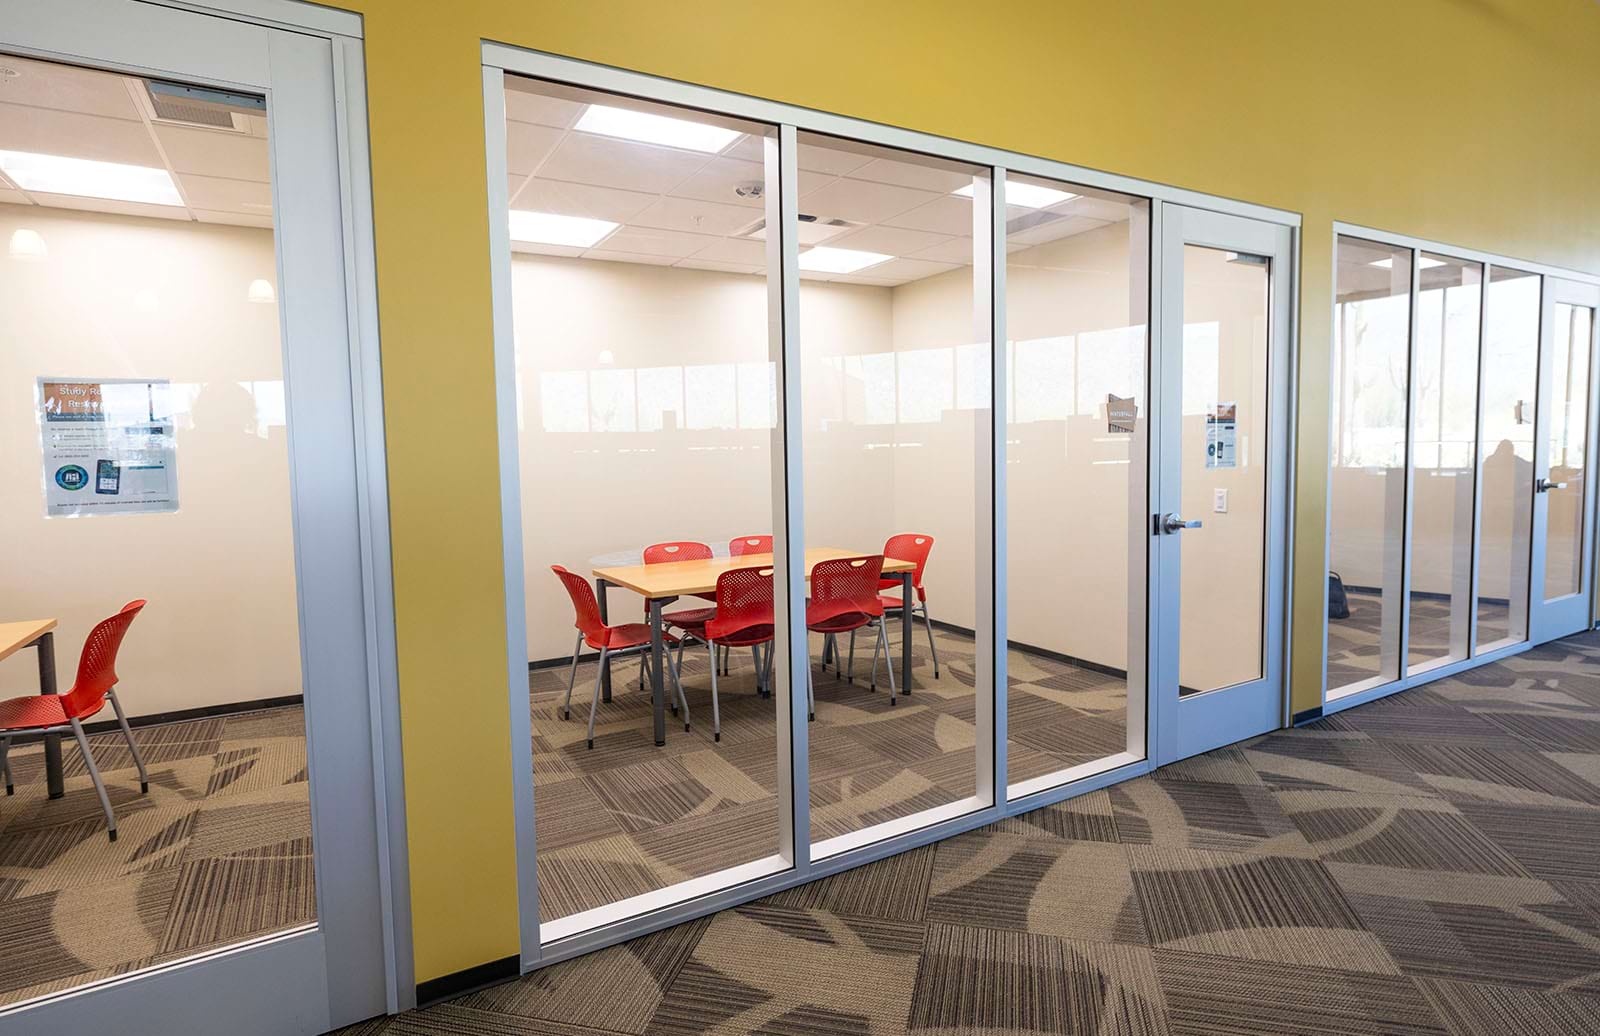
<point>1218,525</point>
<point>1563,463</point>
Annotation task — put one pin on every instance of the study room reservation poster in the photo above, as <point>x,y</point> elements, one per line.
<point>108,446</point>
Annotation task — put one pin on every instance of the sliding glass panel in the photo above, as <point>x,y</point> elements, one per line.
<point>646,414</point>
<point>144,450</point>
<point>1569,437</point>
<point>1077,304</point>
<point>896,401</point>
<point>1445,431</point>
<point>1505,456</point>
<point>1366,491</point>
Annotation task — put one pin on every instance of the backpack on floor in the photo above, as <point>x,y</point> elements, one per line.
<point>1338,603</point>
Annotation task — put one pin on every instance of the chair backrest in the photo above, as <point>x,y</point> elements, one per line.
<point>585,606</point>
<point>909,546</point>
<point>744,602</point>
<point>97,666</point>
<point>845,585</point>
<point>678,550</point>
<point>742,545</point>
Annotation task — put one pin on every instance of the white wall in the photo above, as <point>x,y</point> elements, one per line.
<point>122,297</point>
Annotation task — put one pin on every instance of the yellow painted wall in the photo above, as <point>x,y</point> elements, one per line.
<point>1464,121</point>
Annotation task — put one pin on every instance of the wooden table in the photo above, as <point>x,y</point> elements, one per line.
<point>38,633</point>
<point>662,584</point>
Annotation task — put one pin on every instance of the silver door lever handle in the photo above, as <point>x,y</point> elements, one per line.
<point>1545,485</point>
<point>1175,523</point>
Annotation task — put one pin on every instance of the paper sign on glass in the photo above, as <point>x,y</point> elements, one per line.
<point>107,446</point>
<point>1222,436</point>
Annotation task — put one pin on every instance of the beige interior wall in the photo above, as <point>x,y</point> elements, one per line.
<point>123,297</point>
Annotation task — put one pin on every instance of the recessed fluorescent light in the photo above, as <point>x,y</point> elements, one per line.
<point>84,178</point>
<point>547,228</point>
<point>840,260</point>
<point>1425,263</point>
<point>1027,195</point>
<point>655,129</point>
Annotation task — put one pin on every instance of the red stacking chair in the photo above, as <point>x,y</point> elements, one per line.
<point>743,619</point>
<point>742,545</point>
<point>608,640</point>
<point>913,547</point>
<point>65,713</point>
<point>692,621</point>
<point>844,598</point>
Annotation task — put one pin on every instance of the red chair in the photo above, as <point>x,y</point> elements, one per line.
<point>743,619</point>
<point>608,640</point>
<point>65,713</point>
<point>690,621</point>
<point>742,545</point>
<point>913,547</point>
<point>844,598</point>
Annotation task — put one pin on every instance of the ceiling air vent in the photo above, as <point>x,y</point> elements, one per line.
<point>812,228</point>
<point>183,105</point>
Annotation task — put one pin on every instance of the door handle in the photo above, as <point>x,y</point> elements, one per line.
<point>1544,485</point>
<point>1174,523</point>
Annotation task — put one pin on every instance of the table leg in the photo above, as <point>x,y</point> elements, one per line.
<point>905,633</point>
<point>657,664</point>
<point>46,646</point>
<point>605,675</point>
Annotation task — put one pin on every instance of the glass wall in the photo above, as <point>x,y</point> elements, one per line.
<point>1366,487</point>
<point>1077,448</point>
<point>1445,439</point>
<point>896,403</point>
<point>1505,456</point>
<point>1569,435</point>
<point>646,425</point>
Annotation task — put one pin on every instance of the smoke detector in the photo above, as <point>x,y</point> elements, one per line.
<point>8,72</point>
<point>753,189</point>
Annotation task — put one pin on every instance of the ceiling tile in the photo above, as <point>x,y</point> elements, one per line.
<point>606,162</point>
<point>75,135</point>
<point>720,179</point>
<point>893,240</point>
<point>44,84</point>
<point>862,201</point>
<point>236,219</point>
<point>514,182</point>
<point>697,263</point>
<point>952,250</point>
<point>120,208</point>
<point>1054,230</point>
<point>827,160</point>
<point>612,256</point>
<point>694,217</point>
<point>529,107</point>
<point>212,192</point>
<point>1098,208</point>
<point>736,251</point>
<point>944,215</point>
<point>656,242</point>
<point>529,248</point>
<point>581,199</point>
<point>528,145</point>
<point>912,174</point>
<point>13,197</point>
<point>215,153</point>
<point>902,271</point>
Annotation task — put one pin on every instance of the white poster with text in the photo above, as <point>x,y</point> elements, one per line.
<point>108,446</point>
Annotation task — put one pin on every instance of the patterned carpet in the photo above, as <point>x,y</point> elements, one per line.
<point>219,850</point>
<point>1425,864</point>
<point>627,817</point>
<point>1353,651</point>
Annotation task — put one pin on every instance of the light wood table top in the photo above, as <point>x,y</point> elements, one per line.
<point>677,578</point>
<point>14,636</point>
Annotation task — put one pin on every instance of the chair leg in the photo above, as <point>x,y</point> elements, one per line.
<point>94,775</point>
<point>770,648</point>
<point>716,711</point>
<point>5,765</point>
<point>927,624</point>
<point>879,642</point>
<point>850,671</point>
<point>127,734</point>
<point>594,703</point>
<point>672,670</point>
<point>883,640</point>
<point>572,676</point>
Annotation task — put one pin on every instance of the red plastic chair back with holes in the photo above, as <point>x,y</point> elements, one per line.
<point>744,608</point>
<point>97,666</point>
<point>908,546</point>
<point>685,550</point>
<point>585,606</point>
<point>742,545</point>
<point>843,588</point>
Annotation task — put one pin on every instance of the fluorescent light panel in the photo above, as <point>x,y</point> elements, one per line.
<point>840,260</point>
<point>548,228</point>
<point>1424,262</point>
<point>85,178</point>
<point>1026,195</point>
<point>655,129</point>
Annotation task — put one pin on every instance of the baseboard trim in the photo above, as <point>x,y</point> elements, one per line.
<point>1424,595</point>
<point>1306,716</point>
<point>156,719</point>
<point>466,981</point>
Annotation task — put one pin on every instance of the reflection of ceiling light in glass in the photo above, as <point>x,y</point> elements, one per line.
<point>261,291</point>
<point>83,178</point>
<point>606,358</point>
<point>655,129</point>
<point>146,301</point>
<point>547,228</point>
<point>27,245</point>
<point>1026,195</point>
<point>1387,263</point>
<point>840,260</point>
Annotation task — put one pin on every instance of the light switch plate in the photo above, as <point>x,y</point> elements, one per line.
<point>1219,501</point>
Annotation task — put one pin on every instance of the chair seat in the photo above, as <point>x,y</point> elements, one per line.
<point>630,634</point>
<point>742,637</point>
<point>692,619</point>
<point>839,623</point>
<point>33,711</point>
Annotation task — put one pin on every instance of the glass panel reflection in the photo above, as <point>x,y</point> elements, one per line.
<point>1569,441</point>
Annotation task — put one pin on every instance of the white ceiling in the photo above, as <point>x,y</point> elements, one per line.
<point>682,208</point>
<point>73,112</point>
